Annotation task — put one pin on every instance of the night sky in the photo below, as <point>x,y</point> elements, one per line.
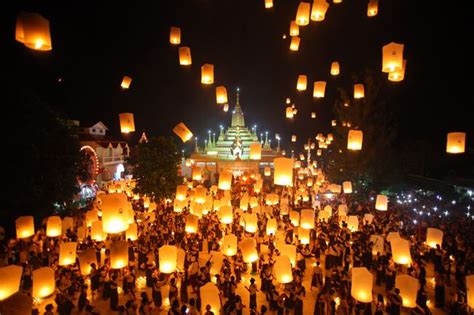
<point>95,44</point>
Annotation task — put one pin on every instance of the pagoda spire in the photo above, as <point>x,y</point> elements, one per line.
<point>237,114</point>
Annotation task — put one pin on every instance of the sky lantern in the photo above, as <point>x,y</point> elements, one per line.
<point>304,235</point>
<point>470,290</point>
<point>255,151</point>
<point>44,282</point>
<point>456,142</point>
<point>53,226</point>
<point>397,76</point>
<point>319,89</point>
<point>248,246</point>
<point>97,232</point>
<point>183,132</point>
<point>359,91</point>
<point>67,253</point>
<point>354,140</point>
<point>225,214</point>
<point>32,29</point>
<point>229,245</point>
<point>225,108</point>
<point>289,251</point>
<point>392,57</point>
<point>267,171</point>
<point>335,68</point>
<point>272,226</point>
<point>126,81</point>
<point>353,223</point>
<point>210,295</point>
<point>185,58</point>
<point>86,258</point>
<point>401,251</point>
<point>207,74</point>
<point>175,35</point>
<point>302,82</point>
<point>81,233</point>
<point>127,123</point>
<point>251,222</point>
<point>313,115</point>
<point>381,203</point>
<point>221,94</point>
<point>408,289</point>
<point>323,215</point>
<point>377,244</point>
<point>25,227</point>
<point>217,260</point>
<point>282,269</point>
<point>368,218</point>
<point>118,254</point>
<point>200,195</point>
<point>341,210</point>
<point>293,138</point>
<point>295,218</point>
<point>307,218</point>
<point>289,112</point>
<point>91,216</point>
<point>434,237</point>
<point>362,282</point>
<point>303,14</point>
<point>372,8</point>
<point>283,172</point>
<point>168,256</point>
<point>319,9</point>
<point>197,173</point>
<point>225,180</point>
<point>392,235</point>
<point>268,4</point>
<point>347,187</point>
<point>114,213</point>
<point>294,29</point>
<point>67,224</point>
<point>132,232</point>
<point>191,223</point>
<point>181,191</point>
<point>253,202</point>
<point>10,278</point>
<point>295,43</point>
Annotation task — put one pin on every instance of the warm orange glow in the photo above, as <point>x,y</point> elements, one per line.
<point>185,56</point>
<point>126,81</point>
<point>221,95</point>
<point>127,122</point>
<point>362,282</point>
<point>302,82</point>
<point>401,251</point>
<point>347,187</point>
<point>191,223</point>
<point>295,43</point>
<point>248,247</point>
<point>225,214</point>
<point>434,237</point>
<point>293,138</point>
<point>289,112</point>
<point>456,142</point>
<point>255,151</point>
<point>67,253</point>
<point>397,76</point>
<point>359,91</point>
<point>25,227</point>
<point>381,203</point>
<point>229,245</point>
<point>32,30</point>
<point>392,57</point>
<point>268,4</point>
<point>470,290</point>
<point>175,35</point>
<point>118,254</point>
<point>319,9</point>
<point>373,8</point>
<point>335,68</point>
<point>294,29</point>
<point>354,140</point>
<point>53,226</point>
<point>10,278</point>
<point>313,115</point>
<point>319,89</point>
<point>282,269</point>
<point>182,131</point>
<point>225,180</point>
<point>207,74</point>
<point>303,13</point>
<point>168,256</point>
<point>114,213</point>
<point>408,289</point>
<point>43,282</point>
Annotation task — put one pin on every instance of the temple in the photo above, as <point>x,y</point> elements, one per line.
<point>230,151</point>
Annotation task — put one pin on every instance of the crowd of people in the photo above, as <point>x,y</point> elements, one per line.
<point>140,287</point>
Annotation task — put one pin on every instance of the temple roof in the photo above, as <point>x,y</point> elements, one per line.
<point>237,115</point>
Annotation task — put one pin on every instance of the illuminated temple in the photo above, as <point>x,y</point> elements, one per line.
<point>230,151</point>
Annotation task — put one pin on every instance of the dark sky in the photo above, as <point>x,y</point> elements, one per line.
<point>96,43</point>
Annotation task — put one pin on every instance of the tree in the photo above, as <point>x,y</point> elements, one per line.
<point>84,166</point>
<point>374,116</point>
<point>156,167</point>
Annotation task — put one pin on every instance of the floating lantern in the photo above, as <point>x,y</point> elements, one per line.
<point>81,233</point>
<point>185,58</point>
<point>319,152</point>
<point>393,235</point>
<point>126,81</point>
<point>132,232</point>
<point>333,122</point>
<point>44,282</point>
<point>200,195</point>
<point>91,216</point>
<point>175,35</point>
<point>470,290</point>
<point>221,95</point>
<point>86,258</point>
<point>225,180</point>
<point>353,223</point>
<point>25,227</point>
<point>372,8</point>
<point>408,287</point>
<point>251,222</point>
<point>210,295</point>
<point>191,223</point>
<point>362,281</point>
<point>359,90</point>
<point>32,30</point>
<point>294,29</point>
<point>347,187</point>
<point>67,253</point>
<point>255,151</point>
<point>295,218</point>
<point>168,256</point>
<point>354,140</point>
<point>114,213</point>
<point>217,260</point>
<point>183,132</point>
<point>268,4</point>
<point>207,74</point>
<point>53,226</point>
<point>434,237</point>
<point>392,57</point>
<point>282,269</point>
<point>303,235</point>
<point>381,203</point>
<point>97,232</point>
<point>283,171</point>
<point>267,171</point>
<point>397,76</point>
<point>118,254</point>
<point>226,215</point>
<point>319,89</point>
<point>323,216</point>
<point>401,251</point>
<point>289,251</point>
<point>253,202</point>
<point>341,210</point>
<point>67,224</point>
<point>272,226</point>
<point>293,138</point>
<point>10,278</point>
<point>229,245</point>
<point>127,123</point>
<point>289,112</point>
<point>377,244</point>
<point>295,43</point>
<point>197,173</point>
<point>319,9</point>
<point>226,108</point>
<point>307,218</point>
<point>313,115</point>
<point>302,82</point>
<point>368,218</point>
<point>303,13</point>
<point>181,191</point>
<point>456,142</point>
<point>335,69</point>
<point>249,250</point>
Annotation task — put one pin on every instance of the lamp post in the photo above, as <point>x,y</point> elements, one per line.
<point>196,144</point>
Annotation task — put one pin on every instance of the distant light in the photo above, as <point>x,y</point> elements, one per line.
<point>414,221</point>
<point>284,36</point>
<point>446,213</point>
<point>453,202</point>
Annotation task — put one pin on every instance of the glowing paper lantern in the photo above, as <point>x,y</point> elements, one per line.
<point>307,218</point>
<point>353,223</point>
<point>67,253</point>
<point>408,289</point>
<point>114,213</point>
<point>362,281</point>
<point>470,290</point>
<point>401,251</point>
<point>91,216</point>
<point>225,180</point>
<point>293,138</point>
<point>225,214</point>
<point>43,282</point>
<point>354,140</point>
<point>168,256</point>
<point>267,171</point>
<point>81,233</point>
<point>319,9</point>
<point>97,232</point>
<point>181,191</point>
<point>319,89</point>
<point>303,235</point>
<point>295,218</point>
<point>333,122</point>
<point>32,30</point>
<point>253,202</point>
<point>175,35</point>
<point>283,171</point>
<point>368,218</point>
<point>197,173</point>
<point>302,15</point>
<point>200,195</point>
<point>392,57</point>
<point>255,151</point>
<point>53,226</point>
<point>434,237</point>
<point>126,81</point>
<point>86,258</point>
<point>127,123</point>
<point>347,187</point>
<point>185,56</point>
<point>398,75</point>
<point>359,90</point>
<point>249,250</point>
<point>313,115</point>
<point>372,8</point>
<point>251,222</point>
<point>377,244</point>
<point>456,142</point>
<point>10,278</point>
<point>294,29</point>
<point>226,108</point>
<point>289,112</point>
<point>335,69</point>
<point>118,254</point>
<point>207,74</point>
<point>183,132</point>
<point>25,227</point>
<point>282,269</point>
<point>210,295</point>
<point>132,232</point>
<point>289,251</point>
<point>67,224</point>
<point>268,4</point>
<point>393,235</point>
<point>323,215</point>
<point>221,95</point>
<point>295,43</point>
<point>302,82</point>
<point>272,226</point>
<point>191,223</point>
<point>229,245</point>
<point>381,203</point>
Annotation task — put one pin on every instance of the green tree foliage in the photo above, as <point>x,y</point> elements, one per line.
<point>373,115</point>
<point>156,167</point>
<point>84,166</point>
